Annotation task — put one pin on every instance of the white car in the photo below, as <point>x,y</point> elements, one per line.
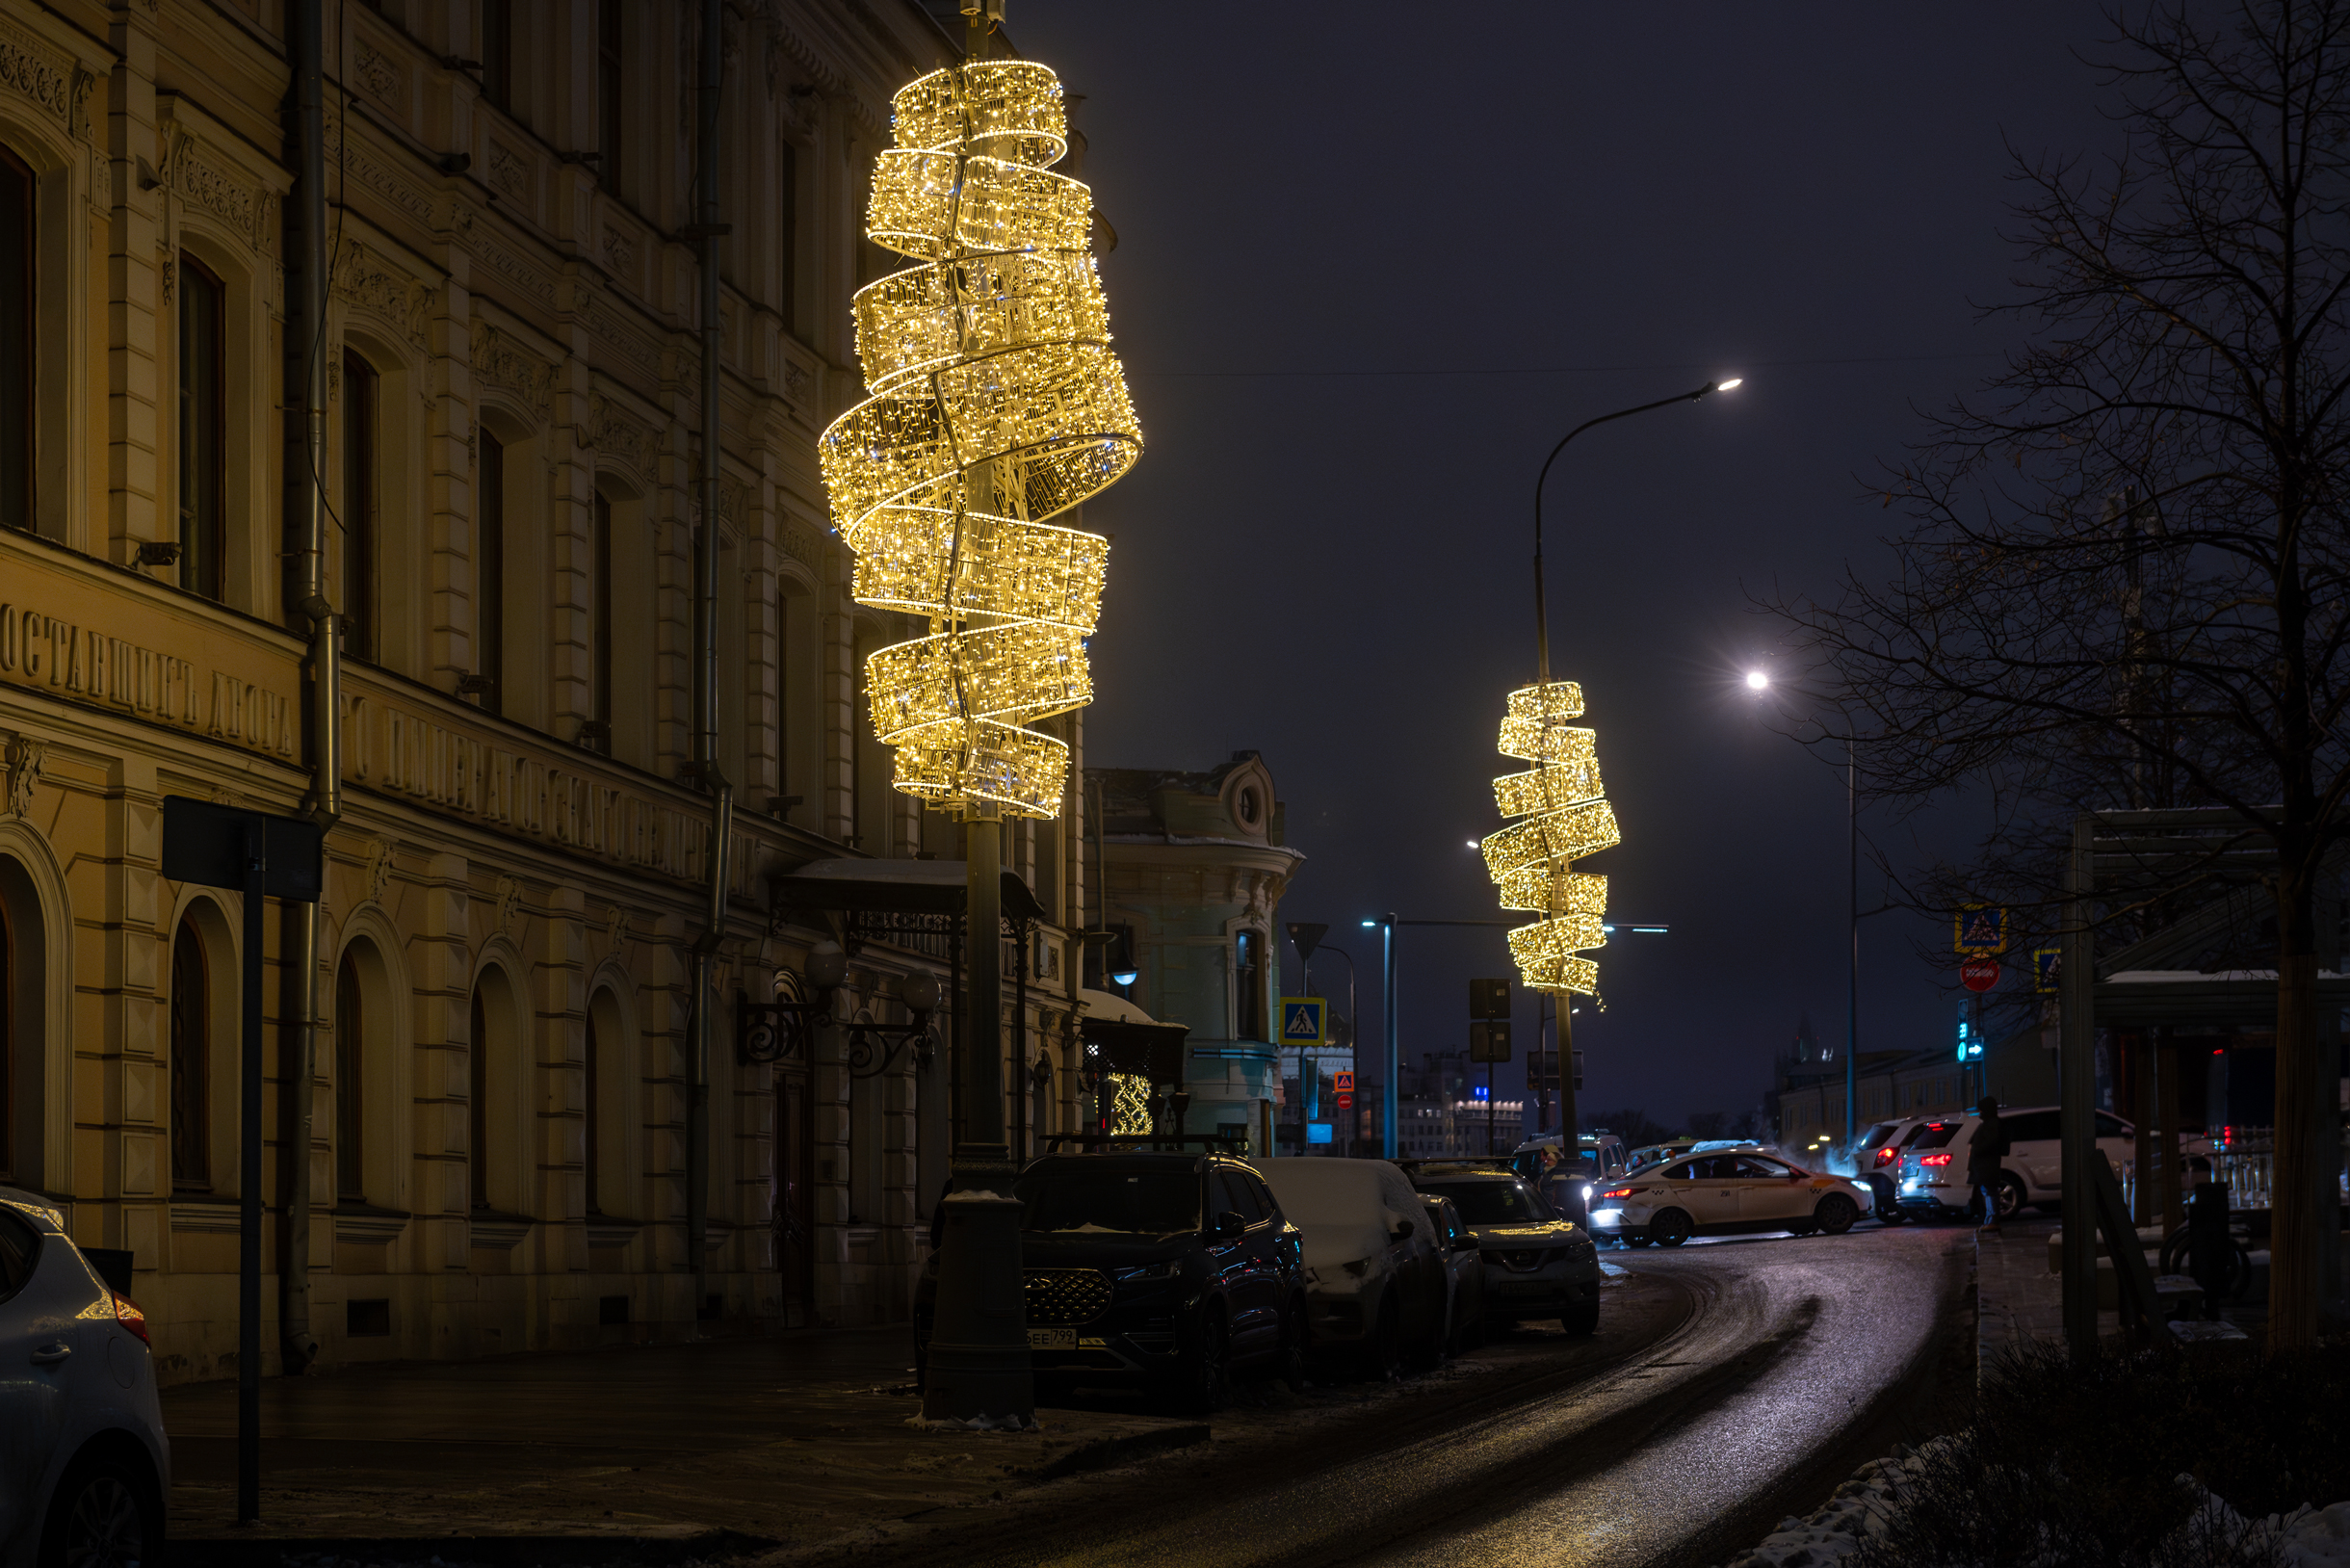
<point>84,1462</point>
<point>1934,1166</point>
<point>1727,1192</point>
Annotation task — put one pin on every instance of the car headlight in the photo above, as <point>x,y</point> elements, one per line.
<point>1168,1270</point>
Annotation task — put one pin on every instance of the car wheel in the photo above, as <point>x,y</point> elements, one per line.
<point>1204,1376</point>
<point>1837,1214</point>
<point>1581,1321</point>
<point>1383,1358</point>
<point>106,1514</point>
<point>1292,1364</point>
<point>1670,1228</point>
<point>2010,1195</point>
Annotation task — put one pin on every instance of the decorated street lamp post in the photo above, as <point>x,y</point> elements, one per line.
<point>1566,815</point>
<point>996,404</point>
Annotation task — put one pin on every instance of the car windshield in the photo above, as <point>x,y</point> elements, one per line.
<point>1494,1203</point>
<point>1126,1202</point>
<point>1876,1138</point>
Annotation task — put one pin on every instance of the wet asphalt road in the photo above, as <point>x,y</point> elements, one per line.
<point>1796,1359</point>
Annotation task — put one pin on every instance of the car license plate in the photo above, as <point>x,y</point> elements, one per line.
<point>1052,1339</point>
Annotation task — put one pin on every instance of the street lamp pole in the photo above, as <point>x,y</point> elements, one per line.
<point>1354,1025</point>
<point>1542,618</point>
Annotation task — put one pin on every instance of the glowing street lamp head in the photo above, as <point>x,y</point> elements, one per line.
<point>1756,680</point>
<point>1730,385</point>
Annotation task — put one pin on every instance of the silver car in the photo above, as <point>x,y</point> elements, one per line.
<point>1537,1263</point>
<point>84,1462</point>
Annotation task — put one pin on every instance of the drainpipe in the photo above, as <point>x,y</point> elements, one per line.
<point>707,229</point>
<point>325,803</point>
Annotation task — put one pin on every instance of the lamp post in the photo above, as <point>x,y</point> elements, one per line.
<point>1565,814</point>
<point>1759,682</point>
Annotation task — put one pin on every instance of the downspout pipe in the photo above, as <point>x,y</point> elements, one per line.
<point>309,547</point>
<point>708,230</point>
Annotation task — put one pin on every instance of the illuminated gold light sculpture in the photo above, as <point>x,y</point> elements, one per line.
<point>995,405</point>
<point>1566,817</point>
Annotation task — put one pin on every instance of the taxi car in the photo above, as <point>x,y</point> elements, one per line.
<point>1726,1192</point>
<point>1537,1263</point>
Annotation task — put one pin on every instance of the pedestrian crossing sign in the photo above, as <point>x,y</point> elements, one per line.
<point>1982,928</point>
<point>1304,1020</point>
<point>2047,968</point>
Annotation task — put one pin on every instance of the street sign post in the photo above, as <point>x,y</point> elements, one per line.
<point>1489,998</point>
<point>1979,974</point>
<point>1305,1021</point>
<point>262,856</point>
<point>1489,1042</point>
<point>1982,928</point>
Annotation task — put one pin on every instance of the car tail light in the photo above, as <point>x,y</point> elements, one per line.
<point>1934,1159</point>
<point>1622,1192</point>
<point>128,1313</point>
<point>1887,1155</point>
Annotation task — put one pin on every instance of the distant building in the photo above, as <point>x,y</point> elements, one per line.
<point>1443,1110</point>
<point>1193,868</point>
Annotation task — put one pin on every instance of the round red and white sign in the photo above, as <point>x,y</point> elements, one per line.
<point>1979,974</point>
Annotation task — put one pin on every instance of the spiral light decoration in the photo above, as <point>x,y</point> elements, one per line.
<point>1567,817</point>
<point>995,405</point>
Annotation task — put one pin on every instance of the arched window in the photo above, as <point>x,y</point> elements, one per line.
<point>8,1047</point>
<point>477,1104</point>
<point>350,1084</point>
<point>190,1063</point>
<point>16,356</point>
<point>362,393</point>
<point>591,1112</point>
<point>203,429</point>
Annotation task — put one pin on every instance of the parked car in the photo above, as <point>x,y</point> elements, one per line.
<point>1537,1263</point>
<point>1726,1192</point>
<point>1164,1271</point>
<point>84,1462</point>
<point>1878,1162</point>
<point>1375,1282</point>
<point>1602,1155</point>
<point>1933,1179</point>
<point>1465,1272</point>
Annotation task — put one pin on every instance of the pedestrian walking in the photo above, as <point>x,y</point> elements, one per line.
<point>2211,1243</point>
<point>1984,1152</point>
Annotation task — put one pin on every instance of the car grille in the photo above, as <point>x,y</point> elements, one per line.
<point>1524,1260</point>
<point>1066,1296</point>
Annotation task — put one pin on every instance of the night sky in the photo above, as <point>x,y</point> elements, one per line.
<point>1372,261</point>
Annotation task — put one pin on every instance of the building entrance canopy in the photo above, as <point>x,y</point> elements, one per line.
<point>917,887</point>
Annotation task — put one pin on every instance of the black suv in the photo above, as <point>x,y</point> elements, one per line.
<point>1166,1271</point>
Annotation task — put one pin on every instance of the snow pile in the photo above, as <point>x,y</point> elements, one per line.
<point>1863,1508</point>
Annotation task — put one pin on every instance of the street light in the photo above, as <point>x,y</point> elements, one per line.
<point>1758,681</point>
<point>1565,811</point>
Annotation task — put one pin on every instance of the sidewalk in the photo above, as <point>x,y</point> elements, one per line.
<point>789,1438</point>
<point>2018,1297</point>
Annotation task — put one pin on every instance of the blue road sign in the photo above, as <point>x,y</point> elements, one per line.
<point>1304,1020</point>
<point>1982,928</point>
<point>2047,968</point>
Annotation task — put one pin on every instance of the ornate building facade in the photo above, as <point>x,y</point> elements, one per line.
<point>1193,867</point>
<point>497,1151</point>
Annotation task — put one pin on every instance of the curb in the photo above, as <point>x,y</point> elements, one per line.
<point>452,1551</point>
<point>1108,1452</point>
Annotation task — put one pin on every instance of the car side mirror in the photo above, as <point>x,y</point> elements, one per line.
<point>1464,1243</point>
<point>1403,1230</point>
<point>1229,1226</point>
